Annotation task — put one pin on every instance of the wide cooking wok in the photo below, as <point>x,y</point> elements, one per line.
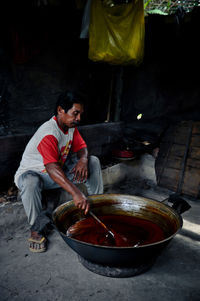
<point>163,215</point>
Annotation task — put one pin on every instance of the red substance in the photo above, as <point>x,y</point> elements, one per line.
<point>122,153</point>
<point>128,231</point>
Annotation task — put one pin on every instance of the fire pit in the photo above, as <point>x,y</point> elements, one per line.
<point>116,271</point>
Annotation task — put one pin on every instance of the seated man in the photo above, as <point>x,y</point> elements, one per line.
<point>45,165</point>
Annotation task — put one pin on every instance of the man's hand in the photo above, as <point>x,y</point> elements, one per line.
<point>81,202</point>
<point>80,170</point>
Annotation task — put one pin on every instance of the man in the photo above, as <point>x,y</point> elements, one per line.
<point>56,156</point>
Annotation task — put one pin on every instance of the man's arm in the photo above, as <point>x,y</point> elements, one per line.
<point>56,173</point>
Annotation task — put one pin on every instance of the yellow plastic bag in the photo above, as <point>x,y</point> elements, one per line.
<point>116,34</point>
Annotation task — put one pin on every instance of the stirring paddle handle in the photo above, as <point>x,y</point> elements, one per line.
<point>99,221</point>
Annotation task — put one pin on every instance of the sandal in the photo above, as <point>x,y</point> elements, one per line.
<point>37,243</point>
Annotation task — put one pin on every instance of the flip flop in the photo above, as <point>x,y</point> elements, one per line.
<point>37,246</point>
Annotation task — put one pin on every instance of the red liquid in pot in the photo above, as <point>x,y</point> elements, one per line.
<point>128,231</point>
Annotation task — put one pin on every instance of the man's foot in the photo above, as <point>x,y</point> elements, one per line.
<point>37,243</point>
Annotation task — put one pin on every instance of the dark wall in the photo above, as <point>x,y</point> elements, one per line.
<point>41,55</point>
<point>165,88</point>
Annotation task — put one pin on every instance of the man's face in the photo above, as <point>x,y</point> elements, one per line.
<point>71,118</point>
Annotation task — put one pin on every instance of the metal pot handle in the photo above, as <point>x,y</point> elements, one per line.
<point>179,204</point>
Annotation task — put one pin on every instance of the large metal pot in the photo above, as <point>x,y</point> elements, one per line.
<point>163,215</point>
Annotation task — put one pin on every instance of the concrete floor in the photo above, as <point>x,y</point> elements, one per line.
<point>58,275</point>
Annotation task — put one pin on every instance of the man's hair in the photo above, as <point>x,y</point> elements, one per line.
<point>67,99</point>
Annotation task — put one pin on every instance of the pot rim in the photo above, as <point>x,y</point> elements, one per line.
<point>111,195</point>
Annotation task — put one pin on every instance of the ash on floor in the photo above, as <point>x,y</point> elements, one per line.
<point>58,275</point>
<point>140,187</point>
<point>10,195</point>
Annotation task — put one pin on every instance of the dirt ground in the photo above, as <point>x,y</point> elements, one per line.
<point>58,275</point>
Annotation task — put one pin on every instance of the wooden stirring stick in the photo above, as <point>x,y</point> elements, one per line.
<point>110,233</point>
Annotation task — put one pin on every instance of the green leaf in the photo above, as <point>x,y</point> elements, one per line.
<point>156,11</point>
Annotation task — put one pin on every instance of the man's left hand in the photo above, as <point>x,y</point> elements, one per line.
<point>80,170</point>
